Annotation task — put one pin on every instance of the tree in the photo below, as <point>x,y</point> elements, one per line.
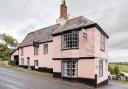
<point>2,47</point>
<point>116,70</point>
<point>8,40</point>
<point>4,55</point>
<point>111,70</point>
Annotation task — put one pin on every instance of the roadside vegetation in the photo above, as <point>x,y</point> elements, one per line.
<point>123,67</point>
<point>118,71</point>
<point>6,41</point>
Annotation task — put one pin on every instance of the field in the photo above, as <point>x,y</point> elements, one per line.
<point>122,68</point>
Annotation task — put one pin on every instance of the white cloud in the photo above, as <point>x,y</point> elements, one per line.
<point>18,17</point>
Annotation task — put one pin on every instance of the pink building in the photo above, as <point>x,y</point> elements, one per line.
<point>73,49</point>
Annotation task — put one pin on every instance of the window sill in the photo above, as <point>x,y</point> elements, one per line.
<point>102,50</point>
<point>69,49</point>
<point>100,76</point>
<point>66,77</point>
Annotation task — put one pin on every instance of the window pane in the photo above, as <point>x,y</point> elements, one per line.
<point>70,40</point>
<point>36,51</point>
<point>100,68</point>
<point>45,48</point>
<point>102,42</point>
<point>70,68</point>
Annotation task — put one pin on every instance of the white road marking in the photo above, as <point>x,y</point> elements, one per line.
<point>11,81</point>
<point>12,87</point>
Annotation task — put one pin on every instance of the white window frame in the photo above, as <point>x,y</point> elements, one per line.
<point>102,42</point>
<point>101,68</point>
<point>70,40</point>
<point>45,48</point>
<point>70,70</point>
<point>28,61</point>
<point>36,51</point>
<point>36,63</point>
<point>22,61</point>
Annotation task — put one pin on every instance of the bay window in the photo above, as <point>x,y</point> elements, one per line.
<point>70,40</point>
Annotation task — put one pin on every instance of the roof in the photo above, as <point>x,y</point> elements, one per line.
<point>73,24</point>
<point>42,35</point>
<point>46,34</point>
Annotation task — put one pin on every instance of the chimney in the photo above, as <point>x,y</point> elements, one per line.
<point>63,14</point>
<point>63,10</point>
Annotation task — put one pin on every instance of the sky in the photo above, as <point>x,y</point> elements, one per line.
<point>18,17</point>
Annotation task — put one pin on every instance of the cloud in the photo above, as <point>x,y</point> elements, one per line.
<point>18,17</point>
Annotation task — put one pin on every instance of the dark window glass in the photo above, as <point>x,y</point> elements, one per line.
<point>100,68</point>
<point>70,40</point>
<point>45,48</point>
<point>36,62</point>
<point>102,42</point>
<point>70,68</point>
<point>36,50</point>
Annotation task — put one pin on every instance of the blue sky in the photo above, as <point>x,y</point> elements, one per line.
<point>18,17</point>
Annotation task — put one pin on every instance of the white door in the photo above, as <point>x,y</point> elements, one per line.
<point>36,64</point>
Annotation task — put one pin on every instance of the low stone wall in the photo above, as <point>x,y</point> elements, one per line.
<point>4,63</point>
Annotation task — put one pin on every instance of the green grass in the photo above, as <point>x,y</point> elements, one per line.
<point>122,68</point>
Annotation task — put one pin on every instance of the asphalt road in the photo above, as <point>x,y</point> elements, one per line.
<point>12,79</point>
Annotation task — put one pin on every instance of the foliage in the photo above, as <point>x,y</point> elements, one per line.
<point>116,70</point>
<point>122,67</point>
<point>111,70</point>
<point>6,41</point>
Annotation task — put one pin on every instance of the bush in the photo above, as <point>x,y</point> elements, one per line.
<point>116,70</point>
<point>111,70</point>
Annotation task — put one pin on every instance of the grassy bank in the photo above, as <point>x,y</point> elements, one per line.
<point>122,68</point>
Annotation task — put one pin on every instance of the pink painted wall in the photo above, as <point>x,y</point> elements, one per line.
<point>86,68</point>
<point>57,66</point>
<point>105,70</point>
<point>28,52</point>
<point>86,46</point>
<point>89,47</point>
<point>98,52</point>
<point>44,60</point>
<point>102,55</point>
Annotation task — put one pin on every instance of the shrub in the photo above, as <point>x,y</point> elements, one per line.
<point>111,70</point>
<point>116,70</point>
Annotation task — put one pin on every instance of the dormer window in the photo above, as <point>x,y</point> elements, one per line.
<point>70,40</point>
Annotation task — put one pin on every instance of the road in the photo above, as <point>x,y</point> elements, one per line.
<point>12,79</point>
